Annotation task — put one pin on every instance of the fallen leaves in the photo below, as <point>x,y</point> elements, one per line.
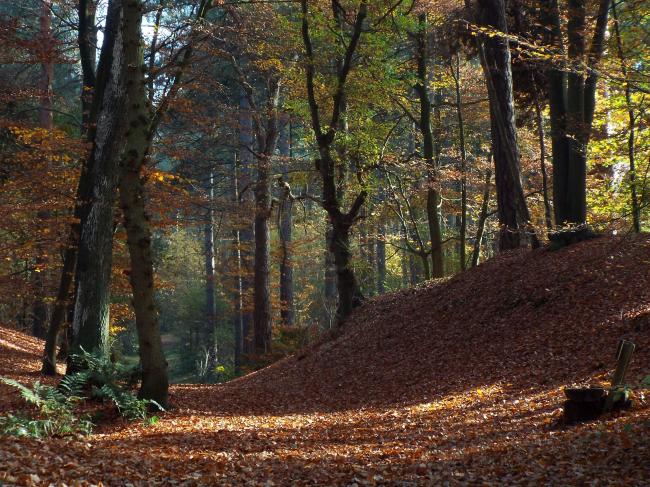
<point>457,382</point>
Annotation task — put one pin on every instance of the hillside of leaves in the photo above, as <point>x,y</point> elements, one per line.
<point>458,380</point>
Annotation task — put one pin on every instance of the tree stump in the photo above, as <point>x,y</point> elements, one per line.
<point>587,404</point>
<point>584,404</point>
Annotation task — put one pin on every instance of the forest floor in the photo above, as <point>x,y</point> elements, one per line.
<point>456,382</point>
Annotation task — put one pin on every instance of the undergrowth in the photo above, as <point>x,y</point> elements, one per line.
<point>56,409</point>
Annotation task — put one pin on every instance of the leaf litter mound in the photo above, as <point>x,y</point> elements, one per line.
<point>456,382</point>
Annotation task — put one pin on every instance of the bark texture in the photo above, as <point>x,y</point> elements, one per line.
<point>92,278</point>
<point>514,218</point>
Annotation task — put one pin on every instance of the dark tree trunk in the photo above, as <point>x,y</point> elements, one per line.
<point>572,99</point>
<point>92,278</point>
<point>90,102</point>
<point>46,122</point>
<point>285,230</point>
<point>266,130</point>
<point>348,290</point>
<point>514,218</point>
<point>428,149</point>
<point>262,319</point>
<point>155,382</point>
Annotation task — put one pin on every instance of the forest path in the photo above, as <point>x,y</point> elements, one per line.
<point>458,381</point>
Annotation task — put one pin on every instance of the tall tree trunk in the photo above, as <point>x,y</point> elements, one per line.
<point>463,164</point>
<point>572,100</point>
<point>514,218</point>
<point>87,39</point>
<point>210,301</point>
<point>349,293</point>
<point>92,278</point>
<point>246,232</point>
<point>428,149</point>
<point>262,319</point>
<point>155,382</point>
<point>46,122</point>
<point>285,230</point>
<point>90,103</point>
<point>267,139</point>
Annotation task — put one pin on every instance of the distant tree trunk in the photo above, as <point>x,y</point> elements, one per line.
<point>381,258</point>
<point>542,159</point>
<point>266,129</point>
<point>631,127</point>
<point>514,218</point>
<point>91,317</point>
<point>246,232</point>
<point>46,122</point>
<point>285,230</point>
<point>463,164</point>
<point>428,149</point>
<point>238,318</point>
<point>481,219</point>
<point>210,301</point>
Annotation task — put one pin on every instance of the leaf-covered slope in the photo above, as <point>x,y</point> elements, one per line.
<point>523,318</point>
<point>455,383</point>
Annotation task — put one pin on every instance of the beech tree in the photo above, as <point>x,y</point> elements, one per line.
<point>573,79</point>
<point>349,293</point>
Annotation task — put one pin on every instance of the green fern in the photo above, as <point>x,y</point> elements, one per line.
<point>56,416</point>
<point>30,395</point>
<point>75,384</point>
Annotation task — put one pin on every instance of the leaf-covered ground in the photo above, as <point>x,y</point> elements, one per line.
<point>458,381</point>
